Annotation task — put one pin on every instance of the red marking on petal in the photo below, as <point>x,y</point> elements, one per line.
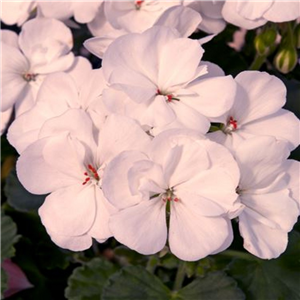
<point>169,98</point>
<point>233,122</point>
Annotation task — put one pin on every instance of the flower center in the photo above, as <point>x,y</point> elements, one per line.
<point>168,97</point>
<point>91,174</point>
<point>138,4</point>
<point>230,126</point>
<point>169,196</point>
<point>29,77</point>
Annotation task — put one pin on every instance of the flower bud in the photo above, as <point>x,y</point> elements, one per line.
<point>286,59</point>
<point>269,36</point>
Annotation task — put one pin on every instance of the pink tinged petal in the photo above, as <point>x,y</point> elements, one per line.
<point>276,210</point>
<point>47,43</point>
<point>120,133</point>
<point>158,113</point>
<point>174,68</point>
<point>60,11</point>
<point>80,70</point>
<point>141,227</point>
<point>266,94</point>
<point>283,125</point>
<point>253,10</point>
<point>211,26</point>
<point>192,160</point>
<point>231,15</point>
<point>70,211</point>
<point>204,183</point>
<point>261,240</point>
<point>147,179</point>
<point>186,117</point>
<point>39,177</point>
<point>283,11</point>
<point>192,236</point>
<point>215,95</point>
<point>183,19</point>
<point>73,243</point>
<point>85,12</point>
<point>258,168</point>
<point>292,168</point>
<point>212,70</point>
<point>60,92</point>
<point>9,37</point>
<point>67,124</point>
<point>100,229</point>
<point>17,280</point>
<point>14,65</point>
<point>115,183</point>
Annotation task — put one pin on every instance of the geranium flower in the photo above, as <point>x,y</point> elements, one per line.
<point>44,48</point>
<point>180,18</point>
<point>170,190</point>
<point>16,12</point>
<point>252,14</point>
<point>68,161</point>
<point>257,111</point>
<point>83,12</point>
<point>58,93</point>
<point>166,89</point>
<point>270,209</point>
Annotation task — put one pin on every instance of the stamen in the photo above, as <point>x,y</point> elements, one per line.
<point>233,122</point>
<point>29,77</point>
<point>92,173</point>
<point>138,4</point>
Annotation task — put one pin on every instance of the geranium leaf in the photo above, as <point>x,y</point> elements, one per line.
<point>135,283</point>
<point>87,281</point>
<point>213,286</point>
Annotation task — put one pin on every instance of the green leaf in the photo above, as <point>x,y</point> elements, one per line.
<point>271,279</point>
<point>8,236</point>
<point>135,283</point>
<point>87,281</point>
<point>18,197</point>
<point>3,282</point>
<point>213,286</point>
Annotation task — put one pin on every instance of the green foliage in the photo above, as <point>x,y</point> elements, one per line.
<point>87,281</point>
<point>214,286</point>
<point>8,236</point>
<point>135,283</point>
<point>3,282</point>
<point>273,279</point>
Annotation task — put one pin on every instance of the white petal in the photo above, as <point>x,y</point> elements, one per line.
<point>261,240</point>
<point>253,10</point>
<point>69,211</point>
<point>283,125</point>
<point>120,133</point>
<point>115,183</point>
<point>10,38</point>
<point>292,168</point>
<point>283,11</point>
<point>141,227</point>
<point>5,118</point>
<point>266,94</point>
<point>215,95</point>
<point>192,237</point>
<point>183,19</point>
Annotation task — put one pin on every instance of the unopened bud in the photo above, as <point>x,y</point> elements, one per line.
<point>260,45</point>
<point>286,59</point>
<point>269,36</point>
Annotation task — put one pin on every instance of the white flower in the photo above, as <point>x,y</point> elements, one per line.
<point>183,19</point>
<point>16,12</point>
<point>252,14</point>
<point>270,210</point>
<point>257,111</point>
<point>166,89</point>
<point>44,48</point>
<point>176,176</point>
<point>58,93</point>
<point>83,12</point>
<point>211,13</point>
<point>68,161</point>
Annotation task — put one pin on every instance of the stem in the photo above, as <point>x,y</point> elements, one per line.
<point>180,275</point>
<point>152,264</point>
<point>258,62</point>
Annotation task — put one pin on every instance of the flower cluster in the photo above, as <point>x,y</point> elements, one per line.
<point>157,146</point>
